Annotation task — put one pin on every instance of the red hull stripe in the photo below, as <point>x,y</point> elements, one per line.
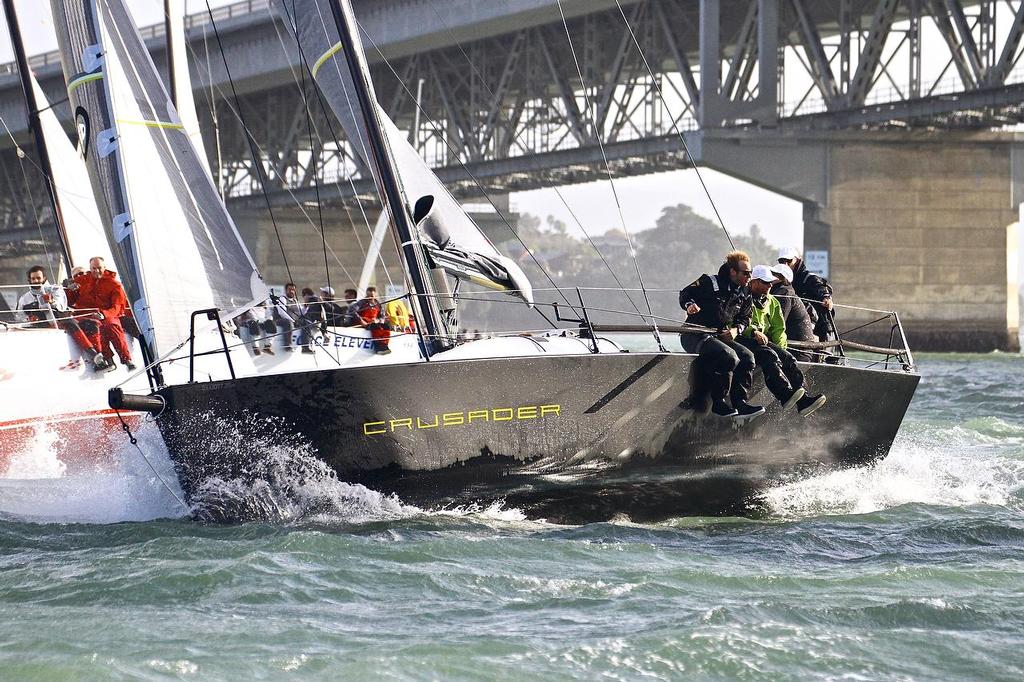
<point>66,417</point>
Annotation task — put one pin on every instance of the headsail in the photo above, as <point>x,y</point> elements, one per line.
<point>176,246</point>
<point>450,237</point>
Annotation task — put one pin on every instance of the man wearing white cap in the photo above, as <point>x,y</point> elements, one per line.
<point>765,336</point>
<point>798,323</point>
<point>810,287</point>
<point>334,313</point>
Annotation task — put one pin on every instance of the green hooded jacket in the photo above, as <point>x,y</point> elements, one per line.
<point>766,318</point>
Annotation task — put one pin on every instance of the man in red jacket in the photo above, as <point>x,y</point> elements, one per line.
<point>100,294</point>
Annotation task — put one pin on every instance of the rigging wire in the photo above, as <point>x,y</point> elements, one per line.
<point>22,156</point>
<point>313,157</point>
<point>675,127</point>
<point>558,192</point>
<point>257,164</point>
<point>608,169</point>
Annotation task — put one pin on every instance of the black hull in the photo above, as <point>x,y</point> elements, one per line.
<point>565,437</point>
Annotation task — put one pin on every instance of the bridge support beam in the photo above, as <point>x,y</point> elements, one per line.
<point>923,224</point>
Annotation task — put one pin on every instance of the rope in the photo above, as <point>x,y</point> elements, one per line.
<point>135,443</point>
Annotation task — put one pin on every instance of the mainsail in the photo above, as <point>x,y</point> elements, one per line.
<point>177,248</point>
<point>450,237</point>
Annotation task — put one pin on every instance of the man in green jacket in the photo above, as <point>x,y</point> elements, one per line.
<point>765,336</point>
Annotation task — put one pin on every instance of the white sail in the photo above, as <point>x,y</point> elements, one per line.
<point>177,248</point>
<point>450,237</point>
<point>182,81</point>
<point>82,223</point>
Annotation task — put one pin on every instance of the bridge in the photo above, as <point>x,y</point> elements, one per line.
<point>888,119</point>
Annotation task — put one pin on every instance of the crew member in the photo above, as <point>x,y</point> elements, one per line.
<point>286,312</point>
<point>101,296</point>
<point>398,315</point>
<point>765,336</point>
<point>798,323</point>
<point>334,312</point>
<point>313,316</point>
<point>722,302</point>
<point>46,304</point>
<point>369,313</point>
<point>814,289</point>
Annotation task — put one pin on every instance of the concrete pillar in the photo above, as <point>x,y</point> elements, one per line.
<point>927,228</point>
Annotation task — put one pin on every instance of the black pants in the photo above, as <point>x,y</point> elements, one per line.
<point>781,373</point>
<point>727,366</point>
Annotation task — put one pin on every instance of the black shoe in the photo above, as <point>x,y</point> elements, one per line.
<point>102,365</point>
<point>307,350</point>
<point>744,411</point>
<point>794,398</point>
<point>130,366</point>
<point>720,408</point>
<point>809,404</point>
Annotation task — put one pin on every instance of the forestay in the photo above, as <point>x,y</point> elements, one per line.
<point>176,246</point>
<point>450,237</point>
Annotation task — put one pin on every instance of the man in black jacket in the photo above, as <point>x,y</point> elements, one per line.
<point>723,302</point>
<point>810,287</point>
<point>798,323</point>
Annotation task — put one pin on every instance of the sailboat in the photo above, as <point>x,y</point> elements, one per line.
<point>556,422</point>
<point>47,407</point>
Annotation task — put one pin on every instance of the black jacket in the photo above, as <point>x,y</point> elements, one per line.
<point>813,288</point>
<point>722,303</point>
<point>798,323</point>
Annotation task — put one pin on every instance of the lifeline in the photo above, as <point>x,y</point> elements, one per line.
<point>451,419</point>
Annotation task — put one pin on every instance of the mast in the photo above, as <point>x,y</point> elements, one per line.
<point>387,180</point>
<point>37,133</point>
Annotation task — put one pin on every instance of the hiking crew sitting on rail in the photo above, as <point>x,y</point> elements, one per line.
<point>334,312</point>
<point>722,302</point>
<point>99,295</point>
<point>368,312</point>
<point>765,337</point>
<point>798,323</point>
<point>255,325</point>
<point>286,312</point>
<point>312,317</point>
<point>814,289</point>
<point>46,305</point>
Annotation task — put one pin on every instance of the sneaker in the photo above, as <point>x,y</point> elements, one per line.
<point>383,351</point>
<point>268,350</point>
<point>255,351</point>
<point>129,365</point>
<point>720,408</point>
<point>71,366</point>
<point>744,411</point>
<point>794,398</point>
<point>809,404</point>
<point>290,349</point>
<point>102,365</point>
<point>307,350</point>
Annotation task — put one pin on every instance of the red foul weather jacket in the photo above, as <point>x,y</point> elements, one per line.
<point>104,294</point>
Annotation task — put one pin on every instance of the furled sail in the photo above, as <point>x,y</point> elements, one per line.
<point>82,223</point>
<point>450,237</point>
<point>176,247</point>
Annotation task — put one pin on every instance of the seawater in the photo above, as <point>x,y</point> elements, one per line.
<point>910,569</point>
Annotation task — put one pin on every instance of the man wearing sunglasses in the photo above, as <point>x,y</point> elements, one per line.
<point>722,302</point>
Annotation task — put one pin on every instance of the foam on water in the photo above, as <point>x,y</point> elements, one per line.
<point>980,462</point>
<point>37,487</point>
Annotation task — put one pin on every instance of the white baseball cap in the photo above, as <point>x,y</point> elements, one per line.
<point>327,290</point>
<point>784,271</point>
<point>789,253</point>
<point>763,273</point>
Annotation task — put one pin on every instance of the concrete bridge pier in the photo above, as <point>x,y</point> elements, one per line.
<point>923,224</point>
